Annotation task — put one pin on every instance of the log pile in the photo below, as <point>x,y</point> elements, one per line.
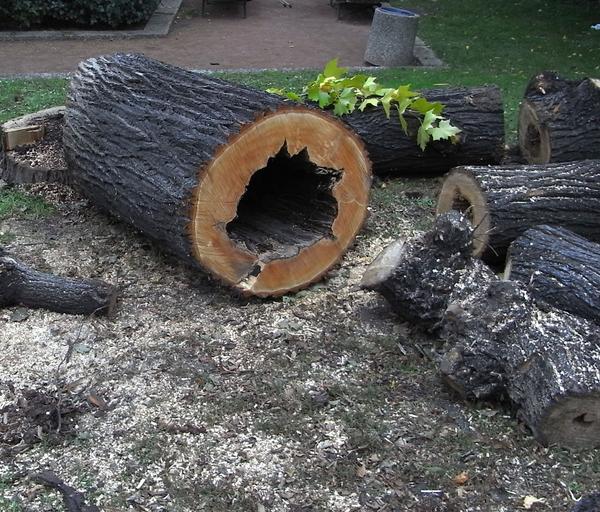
<point>559,120</point>
<point>499,344</point>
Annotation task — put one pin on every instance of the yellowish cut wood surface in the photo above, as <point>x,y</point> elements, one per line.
<point>14,137</point>
<point>224,180</point>
<point>461,192</point>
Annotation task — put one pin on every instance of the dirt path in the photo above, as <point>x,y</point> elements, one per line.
<point>272,36</point>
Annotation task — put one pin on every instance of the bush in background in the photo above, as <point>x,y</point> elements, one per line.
<point>75,13</point>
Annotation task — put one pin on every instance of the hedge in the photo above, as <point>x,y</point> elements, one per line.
<point>75,13</point>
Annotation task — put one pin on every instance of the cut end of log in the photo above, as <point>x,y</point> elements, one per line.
<point>573,421</point>
<point>383,265</point>
<point>281,202</point>
<point>534,139</point>
<point>462,193</point>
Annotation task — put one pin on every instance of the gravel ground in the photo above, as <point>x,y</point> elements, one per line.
<point>193,399</point>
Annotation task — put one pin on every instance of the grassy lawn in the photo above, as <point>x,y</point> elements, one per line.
<point>482,41</point>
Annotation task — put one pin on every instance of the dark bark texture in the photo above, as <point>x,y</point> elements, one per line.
<point>137,133</point>
<point>418,279</point>
<point>520,197</point>
<point>569,112</point>
<point>21,285</point>
<point>73,500</point>
<point>477,111</point>
<point>561,269</point>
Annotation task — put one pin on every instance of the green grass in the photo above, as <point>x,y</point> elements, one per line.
<point>482,41</point>
<point>14,203</point>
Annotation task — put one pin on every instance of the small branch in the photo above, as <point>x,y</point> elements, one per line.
<point>74,500</point>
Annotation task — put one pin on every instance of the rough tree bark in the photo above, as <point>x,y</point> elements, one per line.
<point>264,195</point>
<point>477,111</point>
<point>559,119</point>
<point>560,268</point>
<point>499,344</point>
<point>417,276</point>
<point>21,285</point>
<point>503,202</point>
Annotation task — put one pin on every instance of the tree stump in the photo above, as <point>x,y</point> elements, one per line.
<point>503,202</point>
<point>477,111</point>
<point>263,195</point>
<point>559,120</point>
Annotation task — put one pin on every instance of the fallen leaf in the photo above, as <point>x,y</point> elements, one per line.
<point>461,479</point>
<point>530,501</point>
<point>361,471</point>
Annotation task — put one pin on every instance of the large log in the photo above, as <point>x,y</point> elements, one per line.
<point>559,120</point>
<point>560,268</point>
<point>263,195</point>
<point>477,111</point>
<point>503,202</point>
<point>21,285</point>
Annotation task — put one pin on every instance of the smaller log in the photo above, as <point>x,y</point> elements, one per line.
<point>503,202</point>
<point>417,276</point>
<point>21,285</point>
<point>561,269</point>
<point>477,111</point>
<point>559,120</point>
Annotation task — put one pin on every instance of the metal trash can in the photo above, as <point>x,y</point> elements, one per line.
<point>392,37</point>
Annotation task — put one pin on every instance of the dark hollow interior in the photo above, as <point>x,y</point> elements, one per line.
<point>533,140</point>
<point>460,204</point>
<point>288,205</point>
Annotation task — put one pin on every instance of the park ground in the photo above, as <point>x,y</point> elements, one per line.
<point>193,399</point>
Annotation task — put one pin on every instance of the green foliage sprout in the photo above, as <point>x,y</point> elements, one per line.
<point>334,88</point>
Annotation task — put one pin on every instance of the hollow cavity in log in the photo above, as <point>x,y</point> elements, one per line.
<point>286,207</point>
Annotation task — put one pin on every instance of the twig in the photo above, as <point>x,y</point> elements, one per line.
<point>74,500</point>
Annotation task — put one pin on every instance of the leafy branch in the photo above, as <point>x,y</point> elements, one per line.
<point>334,88</point>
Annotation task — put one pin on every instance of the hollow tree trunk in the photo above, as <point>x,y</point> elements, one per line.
<point>560,268</point>
<point>263,195</point>
<point>477,111</point>
<point>503,202</point>
<point>21,285</point>
<point>559,119</point>
<point>545,362</point>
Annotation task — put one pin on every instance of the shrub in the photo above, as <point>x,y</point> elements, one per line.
<point>76,13</point>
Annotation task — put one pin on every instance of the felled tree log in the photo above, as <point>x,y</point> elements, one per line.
<point>21,285</point>
<point>32,148</point>
<point>417,276</point>
<point>559,119</point>
<point>560,268</point>
<point>477,111</point>
<point>503,202</point>
<point>546,363</point>
<point>499,344</point>
<point>263,195</point>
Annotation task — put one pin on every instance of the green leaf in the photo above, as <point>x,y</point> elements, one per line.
<point>403,92</point>
<point>368,101</point>
<point>332,69</point>
<point>324,99</point>
<point>444,130</point>
<point>385,102</point>
<point>423,106</point>
<point>423,135</point>
<point>370,85</point>
<point>312,91</point>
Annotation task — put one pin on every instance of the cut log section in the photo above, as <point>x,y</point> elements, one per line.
<point>263,195</point>
<point>545,362</point>
<point>21,285</point>
<point>559,119</point>
<point>417,276</point>
<point>32,149</point>
<point>499,344</point>
<point>503,202</point>
<point>477,111</point>
<point>561,269</point>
